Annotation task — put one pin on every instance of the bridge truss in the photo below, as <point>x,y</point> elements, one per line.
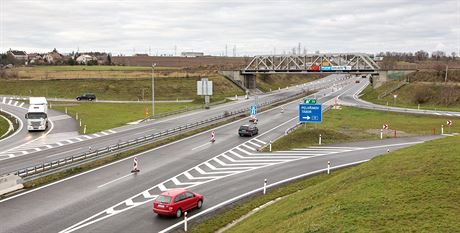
<point>312,63</point>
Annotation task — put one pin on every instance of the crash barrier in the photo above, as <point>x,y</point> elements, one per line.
<point>74,159</point>
<point>10,183</point>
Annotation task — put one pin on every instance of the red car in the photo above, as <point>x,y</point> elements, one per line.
<point>176,202</point>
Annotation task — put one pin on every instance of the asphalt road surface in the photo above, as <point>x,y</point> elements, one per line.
<point>111,199</point>
<point>38,153</point>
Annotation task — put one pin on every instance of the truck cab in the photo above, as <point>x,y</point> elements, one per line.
<point>37,114</point>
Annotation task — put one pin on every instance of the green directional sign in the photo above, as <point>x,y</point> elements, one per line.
<point>309,101</point>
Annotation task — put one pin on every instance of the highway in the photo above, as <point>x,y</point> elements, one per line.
<point>111,199</point>
<point>36,154</point>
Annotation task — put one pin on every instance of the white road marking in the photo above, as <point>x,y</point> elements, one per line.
<point>201,145</point>
<point>104,133</point>
<point>251,148</point>
<point>102,185</point>
<point>112,131</point>
<point>257,140</point>
<point>255,144</point>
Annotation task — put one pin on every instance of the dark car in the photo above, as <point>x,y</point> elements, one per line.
<point>248,130</point>
<point>87,96</point>
<point>357,81</point>
<point>175,202</point>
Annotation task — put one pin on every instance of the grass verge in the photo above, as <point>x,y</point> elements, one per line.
<point>96,115</point>
<point>410,190</point>
<point>430,97</point>
<point>166,88</point>
<point>267,82</point>
<point>4,126</point>
<point>351,124</point>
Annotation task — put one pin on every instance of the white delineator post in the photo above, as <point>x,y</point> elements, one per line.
<point>65,110</point>
<point>328,167</point>
<point>185,221</point>
<point>442,129</point>
<point>381,133</point>
<point>319,139</point>
<point>270,145</point>
<point>84,129</point>
<point>265,186</point>
<point>80,122</point>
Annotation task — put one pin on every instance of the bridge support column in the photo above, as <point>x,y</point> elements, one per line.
<point>249,81</point>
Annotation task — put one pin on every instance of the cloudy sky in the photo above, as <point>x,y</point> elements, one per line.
<point>250,26</point>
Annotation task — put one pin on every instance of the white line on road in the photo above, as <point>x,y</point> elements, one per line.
<point>201,145</point>
<point>102,185</point>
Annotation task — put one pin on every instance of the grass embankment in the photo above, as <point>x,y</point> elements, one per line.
<point>102,116</point>
<point>430,96</point>
<point>168,88</point>
<point>409,190</point>
<point>265,82</point>
<point>4,126</point>
<point>349,124</point>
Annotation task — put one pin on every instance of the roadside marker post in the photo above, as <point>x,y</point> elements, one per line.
<point>328,167</point>
<point>395,133</point>
<point>65,110</point>
<point>84,129</point>
<point>270,145</point>
<point>442,129</point>
<point>319,139</point>
<point>76,116</point>
<point>135,165</point>
<point>185,221</point>
<point>265,186</point>
<point>213,136</point>
<point>381,133</point>
<point>449,123</point>
<point>80,122</point>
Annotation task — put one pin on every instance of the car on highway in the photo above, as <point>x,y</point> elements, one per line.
<point>248,130</point>
<point>175,202</point>
<point>86,96</point>
<point>357,81</point>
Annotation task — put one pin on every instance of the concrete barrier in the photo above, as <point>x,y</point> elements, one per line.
<point>10,183</point>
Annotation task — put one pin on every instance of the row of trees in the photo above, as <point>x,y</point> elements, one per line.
<point>420,55</point>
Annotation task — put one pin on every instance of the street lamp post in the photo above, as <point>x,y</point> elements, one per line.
<point>153,89</point>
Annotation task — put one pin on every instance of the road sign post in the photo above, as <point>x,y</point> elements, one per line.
<point>449,123</point>
<point>265,186</point>
<point>328,167</point>
<point>310,113</point>
<point>253,110</point>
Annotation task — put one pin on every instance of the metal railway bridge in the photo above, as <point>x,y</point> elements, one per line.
<point>328,63</point>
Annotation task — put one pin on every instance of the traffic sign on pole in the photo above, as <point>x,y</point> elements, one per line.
<point>310,113</point>
<point>385,126</point>
<point>449,122</point>
<point>253,110</point>
<point>309,101</point>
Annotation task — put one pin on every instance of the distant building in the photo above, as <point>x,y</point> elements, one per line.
<point>53,57</point>
<point>20,55</point>
<point>84,59</point>
<point>141,55</point>
<point>192,54</point>
<point>34,58</point>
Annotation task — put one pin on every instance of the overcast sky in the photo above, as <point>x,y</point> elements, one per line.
<point>252,26</point>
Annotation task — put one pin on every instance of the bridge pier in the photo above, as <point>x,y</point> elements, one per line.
<point>244,81</point>
<point>249,81</point>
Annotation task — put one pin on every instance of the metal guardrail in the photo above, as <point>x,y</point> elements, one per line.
<point>165,114</point>
<point>59,163</point>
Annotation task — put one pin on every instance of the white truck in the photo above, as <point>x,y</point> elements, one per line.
<point>37,115</point>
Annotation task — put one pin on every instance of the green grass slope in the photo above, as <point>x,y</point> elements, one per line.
<point>3,126</point>
<point>265,82</point>
<point>416,189</point>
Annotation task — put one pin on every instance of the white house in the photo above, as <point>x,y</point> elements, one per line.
<point>84,59</point>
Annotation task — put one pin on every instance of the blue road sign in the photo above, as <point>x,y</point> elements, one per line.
<point>253,110</point>
<point>310,113</point>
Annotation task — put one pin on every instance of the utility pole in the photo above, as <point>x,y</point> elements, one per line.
<point>153,89</point>
<point>445,78</point>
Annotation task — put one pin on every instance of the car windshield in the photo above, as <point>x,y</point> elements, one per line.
<point>36,115</point>
<point>164,199</point>
<point>244,127</point>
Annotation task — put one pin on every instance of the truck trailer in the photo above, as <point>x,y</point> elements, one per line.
<point>37,115</point>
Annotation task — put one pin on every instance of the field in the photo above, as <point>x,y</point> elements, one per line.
<point>112,89</point>
<point>410,190</point>
<point>102,116</point>
<point>349,124</point>
<point>430,96</point>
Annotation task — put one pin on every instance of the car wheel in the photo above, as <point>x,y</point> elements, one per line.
<point>178,213</point>
<point>241,135</point>
<point>199,204</point>
<point>78,99</point>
